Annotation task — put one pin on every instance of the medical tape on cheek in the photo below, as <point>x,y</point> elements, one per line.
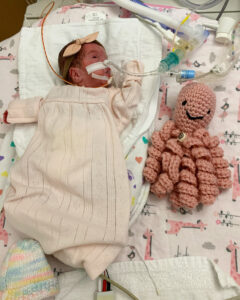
<point>105,78</point>
<point>95,67</point>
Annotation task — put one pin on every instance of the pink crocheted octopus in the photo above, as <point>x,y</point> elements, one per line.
<point>184,160</point>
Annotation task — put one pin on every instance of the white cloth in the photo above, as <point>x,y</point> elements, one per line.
<point>141,43</point>
<point>181,278</point>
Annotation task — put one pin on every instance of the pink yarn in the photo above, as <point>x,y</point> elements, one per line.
<point>184,160</point>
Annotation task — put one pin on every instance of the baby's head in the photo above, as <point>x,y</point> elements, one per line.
<point>195,107</point>
<point>73,62</point>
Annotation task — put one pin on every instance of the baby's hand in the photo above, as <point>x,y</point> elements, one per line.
<point>5,115</point>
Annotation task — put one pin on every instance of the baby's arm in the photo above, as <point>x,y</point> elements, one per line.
<point>22,111</point>
<point>123,101</point>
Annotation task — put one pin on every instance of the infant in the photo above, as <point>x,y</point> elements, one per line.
<point>70,190</point>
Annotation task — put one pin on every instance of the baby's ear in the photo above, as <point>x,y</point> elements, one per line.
<point>76,75</point>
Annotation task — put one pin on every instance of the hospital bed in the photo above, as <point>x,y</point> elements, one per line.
<point>204,243</point>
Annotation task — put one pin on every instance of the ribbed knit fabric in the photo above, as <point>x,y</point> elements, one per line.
<point>26,274</point>
<point>70,190</point>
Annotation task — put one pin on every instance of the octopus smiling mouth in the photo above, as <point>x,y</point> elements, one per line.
<point>193,118</point>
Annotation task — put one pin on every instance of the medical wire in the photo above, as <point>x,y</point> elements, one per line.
<point>177,29</point>
<point>194,6</point>
<point>44,48</point>
<point>119,287</point>
<point>149,274</point>
<point>222,10</point>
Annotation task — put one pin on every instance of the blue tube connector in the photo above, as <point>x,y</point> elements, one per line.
<point>187,74</point>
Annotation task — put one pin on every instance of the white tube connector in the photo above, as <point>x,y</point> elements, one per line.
<point>224,31</point>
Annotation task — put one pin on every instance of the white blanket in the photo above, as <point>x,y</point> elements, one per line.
<point>181,278</point>
<point>124,39</point>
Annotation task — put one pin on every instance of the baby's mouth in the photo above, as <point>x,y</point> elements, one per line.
<point>193,118</point>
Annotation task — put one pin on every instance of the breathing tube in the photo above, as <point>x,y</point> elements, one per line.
<point>229,58</point>
<point>191,36</point>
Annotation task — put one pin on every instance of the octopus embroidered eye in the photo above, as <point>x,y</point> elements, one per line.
<point>209,111</point>
<point>184,102</point>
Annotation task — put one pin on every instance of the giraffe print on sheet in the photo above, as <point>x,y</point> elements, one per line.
<point>233,248</point>
<point>9,57</point>
<point>238,87</point>
<point>3,232</point>
<point>236,178</point>
<point>132,254</point>
<point>194,63</point>
<point>224,107</point>
<point>16,95</point>
<point>176,226</point>
<point>64,9</point>
<point>164,109</point>
<point>230,138</point>
<point>238,118</point>
<point>148,252</point>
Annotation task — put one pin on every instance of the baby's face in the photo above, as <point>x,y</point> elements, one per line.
<point>90,54</point>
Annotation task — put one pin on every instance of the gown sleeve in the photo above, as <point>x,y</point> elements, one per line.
<point>23,111</point>
<point>124,100</point>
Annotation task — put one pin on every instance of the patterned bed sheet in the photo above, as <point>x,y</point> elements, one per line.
<point>210,231</point>
<point>158,232</point>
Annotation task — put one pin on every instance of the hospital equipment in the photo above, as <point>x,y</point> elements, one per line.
<point>184,38</point>
<point>191,38</point>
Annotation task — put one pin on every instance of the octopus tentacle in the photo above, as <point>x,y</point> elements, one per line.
<point>155,153</point>
<point>186,195</point>
<point>156,191</point>
<point>201,152</point>
<point>188,177</point>
<point>166,157</point>
<point>157,142</point>
<point>219,162</point>
<point>208,182</point>
<point>154,164</point>
<point>204,165</point>
<point>207,178</point>
<point>174,146</point>
<point>166,182</point>
<point>173,171</point>
<point>150,175</point>
<point>167,179</point>
<point>201,133</point>
<point>192,142</point>
<point>166,131</point>
<point>221,166</point>
<point>153,167</point>
<point>189,164</point>
<point>217,152</point>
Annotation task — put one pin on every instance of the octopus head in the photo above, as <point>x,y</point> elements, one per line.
<point>195,107</point>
